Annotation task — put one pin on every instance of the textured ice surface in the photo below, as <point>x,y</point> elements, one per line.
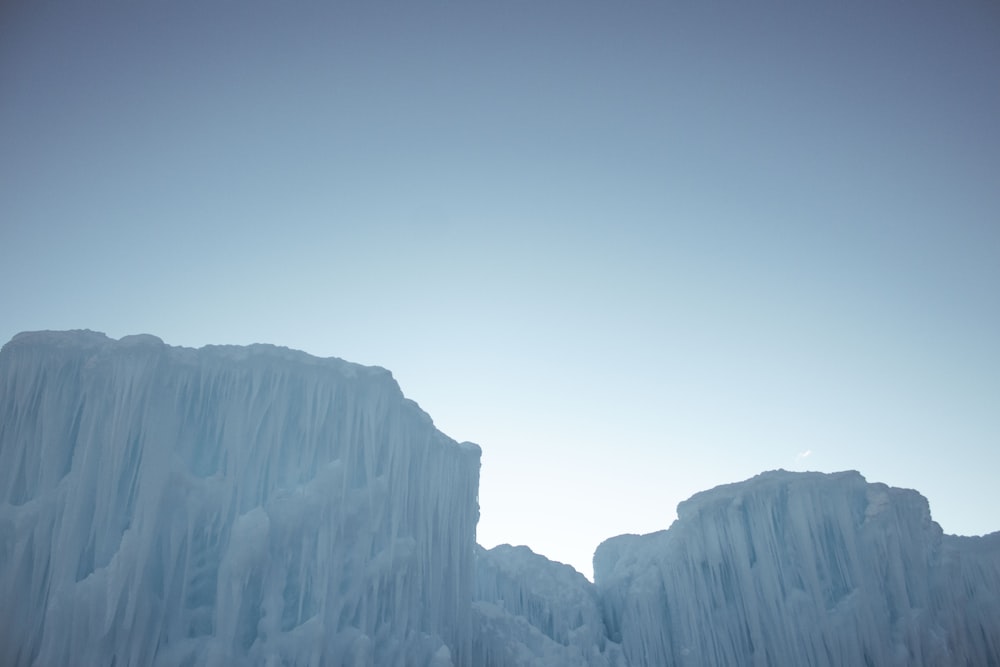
<point>225,506</point>
<point>259,506</point>
<point>803,569</point>
<point>531,611</point>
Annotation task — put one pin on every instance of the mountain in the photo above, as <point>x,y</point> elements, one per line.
<point>260,506</point>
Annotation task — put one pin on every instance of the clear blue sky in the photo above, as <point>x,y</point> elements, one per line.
<point>634,250</point>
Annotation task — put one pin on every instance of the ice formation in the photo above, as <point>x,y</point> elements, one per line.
<point>259,506</point>
<point>533,612</point>
<point>225,506</point>
<point>803,569</point>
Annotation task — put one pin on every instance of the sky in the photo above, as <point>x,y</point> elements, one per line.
<point>634,250</point>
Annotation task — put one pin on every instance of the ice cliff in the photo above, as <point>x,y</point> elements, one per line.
<point>803,569</point>
<point>259,506</point>
<point>225,506</point>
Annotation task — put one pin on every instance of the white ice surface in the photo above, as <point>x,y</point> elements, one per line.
<point>803,569</point>
<point>258,506</point>
<point>533,612</point>
<point>225,506</point>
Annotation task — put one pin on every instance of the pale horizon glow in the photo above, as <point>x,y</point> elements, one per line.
<point>632,251</point>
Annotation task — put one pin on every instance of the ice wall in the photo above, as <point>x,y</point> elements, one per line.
<point>533,612</point>
<point>802,569</point>
<point>259,506</point>
<point>225,506</point>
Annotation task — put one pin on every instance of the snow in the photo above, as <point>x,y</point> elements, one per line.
<point>259,506</point>
<point>225,506</point>
<point>802,569</point>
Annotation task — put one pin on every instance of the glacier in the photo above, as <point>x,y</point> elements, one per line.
<point>257,505</point>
